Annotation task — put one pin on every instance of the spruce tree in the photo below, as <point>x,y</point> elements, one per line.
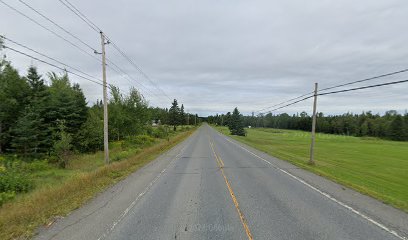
<point>396,129</point>
<point>174,115</point>
<point>236,125</point>
<point>38,100</point>
<point>26,134</point>
<point>182,115</point>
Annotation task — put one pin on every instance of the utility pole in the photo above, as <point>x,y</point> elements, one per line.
<point>311,160</point>
<point>188,118</point>
<point>195,119</point>
<point>105,102</point>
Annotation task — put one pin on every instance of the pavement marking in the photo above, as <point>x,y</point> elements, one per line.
<point>126,211</point>
<point>383,227</point>
<point>234,199</point>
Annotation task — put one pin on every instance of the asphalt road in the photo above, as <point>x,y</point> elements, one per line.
<point>211,187</point>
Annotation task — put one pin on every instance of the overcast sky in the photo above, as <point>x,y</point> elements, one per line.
<point>215,55</point>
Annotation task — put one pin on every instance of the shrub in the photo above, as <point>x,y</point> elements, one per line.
<point>138,141</point>
<point>36,166</point>
<point>159,132</point>
<point>13,181</point>
<point>6,196</point>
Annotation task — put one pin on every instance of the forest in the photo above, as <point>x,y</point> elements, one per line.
<point>391,125</point>
<point>47,117</point>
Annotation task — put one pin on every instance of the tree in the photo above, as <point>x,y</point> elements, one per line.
<point>182,115</point>
<point>67,103</point>
<point>62,146</point>
<point>91,134</point>
<point>236,126</point>
<point>26,134</point>
<point>174,115</point>
<point>13,100</point>
<point>38,98</point>
<point>396,131</point>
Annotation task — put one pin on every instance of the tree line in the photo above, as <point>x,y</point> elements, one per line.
<point>51,117</point>
<point>235,122</point>
<point>391,125</point>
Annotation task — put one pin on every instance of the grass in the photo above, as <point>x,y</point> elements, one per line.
<point>60,191</point>
<point>378,168</point>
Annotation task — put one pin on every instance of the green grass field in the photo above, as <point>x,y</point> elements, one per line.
<point>375,167</point>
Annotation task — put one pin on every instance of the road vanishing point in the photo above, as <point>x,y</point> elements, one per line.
<point>212,187</point>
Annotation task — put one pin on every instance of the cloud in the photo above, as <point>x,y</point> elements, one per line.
<point>215,55</point>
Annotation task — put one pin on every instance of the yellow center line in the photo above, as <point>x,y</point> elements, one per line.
<point>234,199</point>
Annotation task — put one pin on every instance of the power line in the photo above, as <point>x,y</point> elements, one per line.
<point>83,17</point>
<point>121,72</point>
<point>292,99</point>
<point>53,65</point>
<point>287,105</point>
<point>49,30</point>
<point>341,91</point>
<point>342,85</point>
<point>56,24</point>
<point>56,34</point>
<point>365,87</point>
<point>138,68</point>
<point>366,79</point>
<point>50,58</point>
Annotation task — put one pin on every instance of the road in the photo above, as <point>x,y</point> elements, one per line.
<point>211,187</point>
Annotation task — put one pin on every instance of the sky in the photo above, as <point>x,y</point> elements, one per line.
<point>213,56</point>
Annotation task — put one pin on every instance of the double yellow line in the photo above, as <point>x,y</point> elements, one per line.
<point>220,164</point>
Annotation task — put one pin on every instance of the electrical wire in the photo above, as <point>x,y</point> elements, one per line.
<point>292,99</point>
<point>57,25</point>
<point>366,79</point>
<point>49,30</point>
<point>50,58</point>
<point>364,87</point>
<point>83,17</point>
<point>53,65</point>
<point>287,105</point>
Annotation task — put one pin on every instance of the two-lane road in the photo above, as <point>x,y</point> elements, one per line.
<point>210,187</point>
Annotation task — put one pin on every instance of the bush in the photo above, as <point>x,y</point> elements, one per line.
<point>138,141</point>
<point>13,181</point>
<point>159,132</point>
<point>36,166</point>
<point>6,196</point>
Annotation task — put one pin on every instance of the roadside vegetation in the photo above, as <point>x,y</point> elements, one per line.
<point>373,166</point>
<point>59,191</point>
<point>51,140</point>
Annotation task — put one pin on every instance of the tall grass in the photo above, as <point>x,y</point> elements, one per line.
<point>19,219</point>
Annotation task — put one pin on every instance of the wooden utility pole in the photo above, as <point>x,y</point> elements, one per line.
<point>195,119</point>
<point>105,102</point>
<point>311,160</point>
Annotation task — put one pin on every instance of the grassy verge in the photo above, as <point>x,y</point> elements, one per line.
<point>62,191</point>
<point>375,167</point>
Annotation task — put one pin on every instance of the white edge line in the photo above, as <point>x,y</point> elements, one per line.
<point>149,186</point>
<point>322,193</point>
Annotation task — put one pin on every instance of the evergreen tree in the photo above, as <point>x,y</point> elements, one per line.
<point>26,134</point>
<point>236,126</point>
<point>13,100</point>
<point>182,115</point>
<point>174,115</point>
<point>68,104</point>
<point>90,137</point>
<point>396,129</point>
<point>38,100</point>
